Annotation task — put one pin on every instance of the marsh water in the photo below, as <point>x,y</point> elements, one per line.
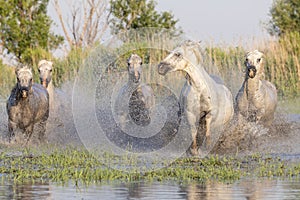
<point>242,189</point>
<point>245,188</point>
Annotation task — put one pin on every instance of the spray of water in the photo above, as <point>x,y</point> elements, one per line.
<point>87,111</point>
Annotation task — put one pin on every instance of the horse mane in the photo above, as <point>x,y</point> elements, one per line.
<point>23,68</point>
<point>196,49</point>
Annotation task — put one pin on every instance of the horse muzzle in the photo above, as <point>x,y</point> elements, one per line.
<point>24,92</point>
<point>251,71</point>
<point>44,82</point>
<point>164,68</point>
<point>136,79</point>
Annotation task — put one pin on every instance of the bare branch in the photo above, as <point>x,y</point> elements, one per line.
<point>59,13</point>
<point>87,22</point>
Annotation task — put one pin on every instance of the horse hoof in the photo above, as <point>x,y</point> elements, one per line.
<point>194,152</point>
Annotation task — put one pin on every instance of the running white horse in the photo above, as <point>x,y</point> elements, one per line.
<point>45,75</point>
<point>206,102</point>
<point>135,99</point>
<point>257,98</point>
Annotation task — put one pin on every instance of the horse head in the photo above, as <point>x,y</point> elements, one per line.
<point>45,72</point>
<point>134,68</point>
<point>180,58</point>
<point>24,80</point>
<point>253,63</point>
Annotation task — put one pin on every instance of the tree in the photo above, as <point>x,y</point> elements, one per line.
<point>133,14</point>
<point>87,23</point>
<point>24,28</point>
<point>285,17</point>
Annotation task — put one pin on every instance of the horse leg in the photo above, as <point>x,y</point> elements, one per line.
<point>259,115</point>
<point>28,133</point>
<point>192,121</point>
<point>208,119</point>
<point>12,126</point>
<point>42,129</point>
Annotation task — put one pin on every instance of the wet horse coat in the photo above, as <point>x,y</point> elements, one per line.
<point>45,75</point>
<point>206,102</point>
<point>135,99</point>
<point>257,98</point>
<point>27,106</point>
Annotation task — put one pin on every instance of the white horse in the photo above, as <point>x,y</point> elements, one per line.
<point>135,99</point>
<point>45,75</point>
<point>207,103</point>
<point>257,98</point>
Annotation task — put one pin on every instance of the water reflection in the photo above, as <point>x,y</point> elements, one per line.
<point>24,191</point>
<point>243,189</point>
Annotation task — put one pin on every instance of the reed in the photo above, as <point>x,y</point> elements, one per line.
<point>7,80</point>
<point>282,61</point>
<point>81,166</point>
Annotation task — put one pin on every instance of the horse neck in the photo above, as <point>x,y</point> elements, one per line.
<point>132,84</point>
<point>197,76</point>
<point>252,85</point>
<point>50,86</point>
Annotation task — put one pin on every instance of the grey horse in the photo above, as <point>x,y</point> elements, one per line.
<point>207,103</point>
<point>257,98</point>
<point>135,99</point>
<point>27,106</point>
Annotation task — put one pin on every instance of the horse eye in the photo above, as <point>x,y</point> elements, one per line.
<point>50,70</point>
<point>178,54</point>
<point>141,63</point>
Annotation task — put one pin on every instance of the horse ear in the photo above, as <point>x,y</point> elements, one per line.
<point>247,54</point>
<point>41,62</point>
<point>17,68</point>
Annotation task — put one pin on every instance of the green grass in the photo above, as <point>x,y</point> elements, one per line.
<point>80,166</point>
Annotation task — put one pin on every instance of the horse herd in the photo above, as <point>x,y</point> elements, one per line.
<point>205,100</point>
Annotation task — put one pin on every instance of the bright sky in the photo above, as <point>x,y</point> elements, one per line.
<point>209,20</point>
<point>219,20</point>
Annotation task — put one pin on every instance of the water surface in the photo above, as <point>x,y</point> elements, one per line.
<point>242,189</point>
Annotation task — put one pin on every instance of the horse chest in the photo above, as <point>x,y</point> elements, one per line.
<point>21,115</point>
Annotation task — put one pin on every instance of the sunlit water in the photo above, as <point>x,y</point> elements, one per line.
<point>243,189</point>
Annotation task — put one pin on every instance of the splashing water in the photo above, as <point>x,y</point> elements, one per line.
<point>85,115</point>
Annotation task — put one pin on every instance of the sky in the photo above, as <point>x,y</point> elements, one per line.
<point>219,20</point>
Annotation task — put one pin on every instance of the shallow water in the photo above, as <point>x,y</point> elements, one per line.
<point>242,189</point>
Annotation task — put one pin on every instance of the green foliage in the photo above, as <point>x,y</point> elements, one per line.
<point>285,17</point>
<point>80,166</point>
<point>67,68</point>
<point>25,26</point>
<point>132,14</point>
<point>7,80</point>
<point>283,64</point>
